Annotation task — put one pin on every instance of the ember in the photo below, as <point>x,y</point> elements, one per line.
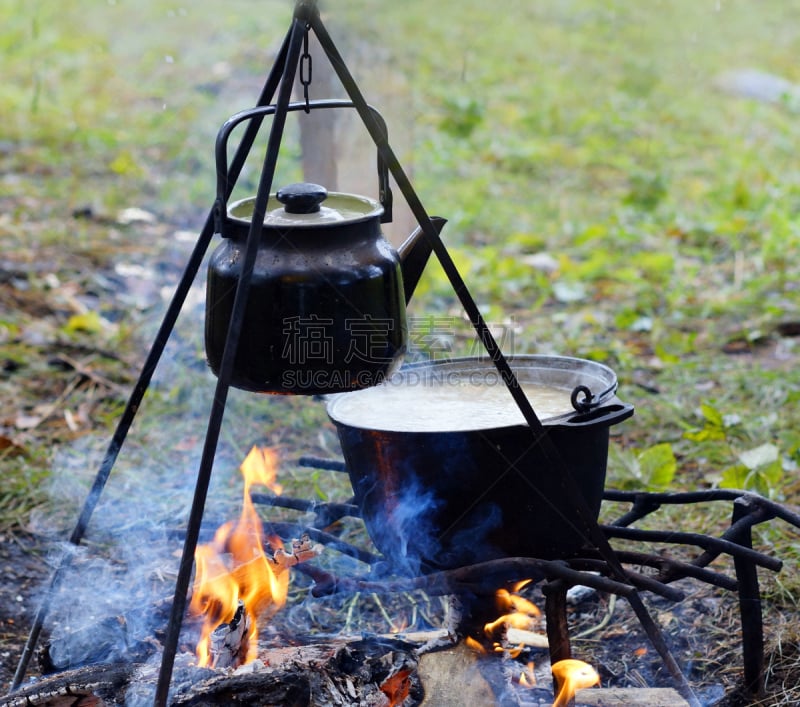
<point>397,687</point>
<point>237,583</point>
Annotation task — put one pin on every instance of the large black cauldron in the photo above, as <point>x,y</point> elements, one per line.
<point>443,499</point>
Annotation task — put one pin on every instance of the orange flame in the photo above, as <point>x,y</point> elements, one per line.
<point>572,675</point>
<point>527,678</point>
<point>233,568</point>
<point>513,652</point>
<point>516,612</point>
<point>519,586</point>
<point>508,600</point>
<point>474,645</point>
<point>520,613</point>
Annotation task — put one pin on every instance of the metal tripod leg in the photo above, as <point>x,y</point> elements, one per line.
<point>289,70</point>
<point>148,369</point>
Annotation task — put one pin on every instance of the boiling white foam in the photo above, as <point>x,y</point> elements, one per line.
<point>450,407</point>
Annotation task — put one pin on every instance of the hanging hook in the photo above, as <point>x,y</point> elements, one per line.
<point>306,69</point>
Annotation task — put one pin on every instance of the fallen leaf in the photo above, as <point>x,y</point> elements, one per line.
<point>569,291</point>
<point>759,456</point>
<point>397,687</point>
<point>9,447</point>
<point>69,418</point>
<point>541,261</point>
<point>27,422</point>
<point>135,215</point>
<point>90,323</point>
<point>665,618</point>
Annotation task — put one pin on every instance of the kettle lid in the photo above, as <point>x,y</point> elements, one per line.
<point>303,207</point>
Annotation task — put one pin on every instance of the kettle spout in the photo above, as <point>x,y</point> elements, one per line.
<point>414,254</point>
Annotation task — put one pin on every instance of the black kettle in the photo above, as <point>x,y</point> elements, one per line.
<point>326,309</point>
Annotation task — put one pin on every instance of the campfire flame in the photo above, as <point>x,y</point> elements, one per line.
<point>234,570</point>
<point>527,678</point>
<point>520,613</point>
<point>572,675</point>
<point>517,612</point>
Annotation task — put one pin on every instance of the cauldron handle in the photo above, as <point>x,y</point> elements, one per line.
<point>604,416</point>
<point>221,153</point>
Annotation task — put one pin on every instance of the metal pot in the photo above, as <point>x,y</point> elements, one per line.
<point>326,310</point>
<point>448,498</point>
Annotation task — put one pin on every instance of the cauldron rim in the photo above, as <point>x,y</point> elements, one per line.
<point>522,365</point>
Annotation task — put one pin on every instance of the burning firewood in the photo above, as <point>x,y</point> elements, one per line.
<point>365,671</point>
<point>522,637</point>
<point>237,574</point>
<point>515,627</point>
<point>229,644</point>
<point>302,551</point>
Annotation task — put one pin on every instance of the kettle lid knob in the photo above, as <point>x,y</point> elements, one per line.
<point>302,198</point>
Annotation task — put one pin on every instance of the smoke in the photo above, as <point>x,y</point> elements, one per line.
<point>114,592</point>
<point>416,530</point>
<point>409,528</point>
<point>472,542</point>
<point>108,609</point>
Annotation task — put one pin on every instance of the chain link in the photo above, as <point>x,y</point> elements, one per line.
<point>305,69</point>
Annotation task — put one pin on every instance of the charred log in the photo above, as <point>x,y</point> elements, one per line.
<point>293,690</point>
<point>369,672</point>
<point>94,684</point>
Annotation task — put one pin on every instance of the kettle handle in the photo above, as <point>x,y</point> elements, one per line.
<point>221,153</point>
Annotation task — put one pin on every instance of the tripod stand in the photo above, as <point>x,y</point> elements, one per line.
<point>278,86</point>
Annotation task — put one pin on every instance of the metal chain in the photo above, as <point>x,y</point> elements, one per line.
<point>305,69</point>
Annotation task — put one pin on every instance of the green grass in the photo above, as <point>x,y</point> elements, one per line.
<point>596,134</point>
